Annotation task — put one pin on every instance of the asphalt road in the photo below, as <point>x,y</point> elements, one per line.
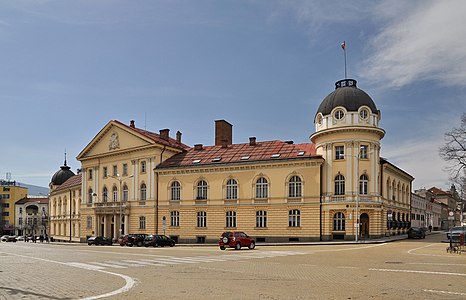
<point>406,269</point>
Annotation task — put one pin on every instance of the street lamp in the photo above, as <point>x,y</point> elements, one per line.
<point>120,179</point>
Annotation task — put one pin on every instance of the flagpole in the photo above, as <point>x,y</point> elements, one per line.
<point>343,46</point>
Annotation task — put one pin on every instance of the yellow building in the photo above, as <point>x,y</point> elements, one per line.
<point>64,206</point>
<point>336,187</point>
<point>10,192</point>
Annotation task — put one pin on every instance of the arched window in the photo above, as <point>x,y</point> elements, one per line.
<point>201,190</point>
<point>105,194</point>
<point>125,193</point>
<point>262,188</point>
<point>363,184</point>
<point>339,185</point>
<point>91,194</point>
<point>175,190</point>
<point>143,192</point>
<point>339,221</point>
<point>232,189</point>
<point>295,187</point>
<point>115,194</point>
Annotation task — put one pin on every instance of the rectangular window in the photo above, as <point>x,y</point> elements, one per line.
<point>363,153</point>
<point>261,219</point>
<point>89,222</point>
<point>339,152</point>
<point>125,169</point>
<point>142,222</point>
<point>20,221</point>
<point>201,219</point>
<point>143,166</point>
<point>5,214</point>
<point>230,219</point>
<point>175,218</point>
<point>115,171</point>
<point>294,218</point>
<point>90,174</point>
<point>105,172</point>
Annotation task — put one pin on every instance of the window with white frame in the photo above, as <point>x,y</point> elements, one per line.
<point>125,169</point>
<point>261,219</point>
<point>363,184</point>
<point>339,221</point>
<point>143,166</point>
<point>230,219</point>
<point>175,191</point>
<point>115,171</point>
<point>232,189</point>
<point>89,222</point>
<point>115,194</point>
<point>105,194</point>
<point>294,218</point>
<point>339,185</point>
<point>201,190</point>
<point>142,222</point>
<point>125,192</point>
<point>201,219</point>
<point>363,152</point>
<point>143,192</point>
<point>175,218</point>
<point>295,187</point>
<point>262,188</point>
<point>90,194</point>
<point>339,152</point>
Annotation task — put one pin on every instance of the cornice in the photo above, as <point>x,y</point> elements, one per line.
<point>379,131</point>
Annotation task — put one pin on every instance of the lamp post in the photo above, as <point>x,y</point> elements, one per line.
<point>120,179</point>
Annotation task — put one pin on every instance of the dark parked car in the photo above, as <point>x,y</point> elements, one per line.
<point>236,239</point>
<point>456,232</point>
<point>123,240</point>
<point>416,232</point>
<point>99,240</point>
<point>156,240</point>
<point>136,239</point>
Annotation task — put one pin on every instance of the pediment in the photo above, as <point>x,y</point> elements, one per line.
<point>114,138</point>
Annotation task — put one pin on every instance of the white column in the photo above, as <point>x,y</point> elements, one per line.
<point>126,224</point>
<point>115,226</point>
<point>83,186</point>
<point>329,160</point>
<point>105,226</point>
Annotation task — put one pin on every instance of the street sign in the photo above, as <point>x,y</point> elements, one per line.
<point>451,214</point>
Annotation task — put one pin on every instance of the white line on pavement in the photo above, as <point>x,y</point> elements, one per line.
<point>416,271</point>
<point>445,292</point>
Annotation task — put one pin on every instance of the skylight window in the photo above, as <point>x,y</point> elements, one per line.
<point>196,161</point>
<point>275,155</point>
<point>245,157</point>
<point>301,153</point>
<point>217,159</point>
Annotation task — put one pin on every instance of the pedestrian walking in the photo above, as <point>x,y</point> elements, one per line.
<point>41,238</point>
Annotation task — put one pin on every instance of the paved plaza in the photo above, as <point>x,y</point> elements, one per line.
<point>408,269</point>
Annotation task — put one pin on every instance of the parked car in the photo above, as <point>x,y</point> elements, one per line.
<point>236,239</point>
<point>99,240</point>
<point>136,239</point>
<point>9,238</point>
<point>156,240</point>
<point>416,232</point>
<point>123,240</point>
<point>455,232</point>
<point>20,238</point>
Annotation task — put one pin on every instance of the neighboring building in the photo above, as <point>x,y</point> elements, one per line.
<point>451,214</point>
<point>337,187</point>
<point>31,216</point>
<point>64,206</point>
<point>433,209</point>
<point>419,206</point>
<point>10,192</point>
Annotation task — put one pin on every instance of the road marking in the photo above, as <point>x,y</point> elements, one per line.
<point>421,272</point>
<point>437,264</point>
<point>85,266</point>
<point>445,292</point>
<point>108,265</point>
<point>346,267</point>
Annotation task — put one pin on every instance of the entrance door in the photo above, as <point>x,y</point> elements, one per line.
<point>364,225</point>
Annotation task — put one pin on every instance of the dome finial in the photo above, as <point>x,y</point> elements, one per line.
<point>65,158</point>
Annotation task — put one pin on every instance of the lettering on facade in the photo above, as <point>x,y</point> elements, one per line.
<point>114,143</point>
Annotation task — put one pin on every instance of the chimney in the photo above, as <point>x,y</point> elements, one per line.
<point>252,141</point>
<point>198,147</point>
<point>131,124</point>
<point>223,133</point>
<point>178,136</point>
<point>164,133</point>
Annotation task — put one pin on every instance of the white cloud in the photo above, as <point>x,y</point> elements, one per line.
<point>418,42</point>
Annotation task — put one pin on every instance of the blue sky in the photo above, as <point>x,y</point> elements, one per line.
<point>68,67</point>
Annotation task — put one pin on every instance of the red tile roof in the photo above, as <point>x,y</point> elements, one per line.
<point>156,137</point>
<point>240,153</point>
<point>71,182</point>
<point>42,200</point>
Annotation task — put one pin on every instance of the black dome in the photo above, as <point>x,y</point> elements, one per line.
<point>62,175</point>
<point>346,94</point>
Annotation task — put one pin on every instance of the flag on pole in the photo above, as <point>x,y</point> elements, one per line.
<point>343,45</point>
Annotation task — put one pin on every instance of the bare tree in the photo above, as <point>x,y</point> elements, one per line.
<point>454,151</point>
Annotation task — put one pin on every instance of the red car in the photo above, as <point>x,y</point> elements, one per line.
<point>236,239</point>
